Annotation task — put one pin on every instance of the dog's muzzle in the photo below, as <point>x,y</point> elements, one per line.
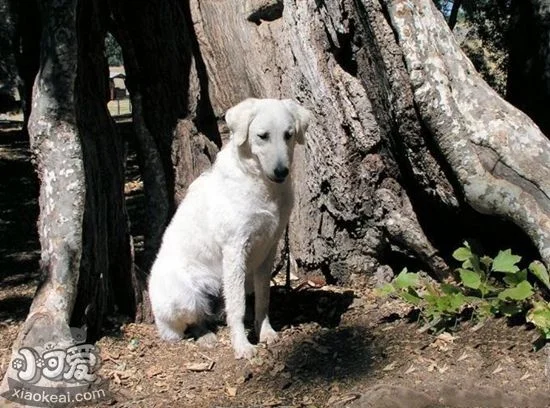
<point>280,173</point>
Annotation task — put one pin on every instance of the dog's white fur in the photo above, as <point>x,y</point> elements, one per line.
<point>224,234</point>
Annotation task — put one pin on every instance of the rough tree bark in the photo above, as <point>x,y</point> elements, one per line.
<point>408,140</point>
<point>497,154</point>
<point>351,209</point>
<point>59,162</point>
<point>175,130</point>
<point>106,267</point>
<point>83,228</point>
<point>529,67</point>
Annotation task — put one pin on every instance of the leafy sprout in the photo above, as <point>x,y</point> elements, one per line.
<point>484,286</point>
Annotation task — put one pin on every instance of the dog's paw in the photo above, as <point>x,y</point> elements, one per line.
<point>245,350</point>
<point>207,340</point>
<point>168,333</point>
<point>268,335</point>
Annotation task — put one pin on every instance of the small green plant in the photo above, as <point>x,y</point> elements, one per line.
<point>483,287</point>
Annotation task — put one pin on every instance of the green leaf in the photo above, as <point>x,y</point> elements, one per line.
<point>486,288</point>
<point>443,304</point>
<point>411,297</point>
<point>506,262</point>
<point>484,310</point>
<point>470,279</point>
<point>384,290</point>
<point>405,279</point>
<point>514,279</point>
<point>539,270</point>
<point>520,292</point>
<point>539,315</point>
<point>462,254</point>
<point>449,289</point>
<point>457,301</point>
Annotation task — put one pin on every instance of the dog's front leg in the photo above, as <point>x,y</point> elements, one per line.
<point>262,277</point>
<point>234,272</point>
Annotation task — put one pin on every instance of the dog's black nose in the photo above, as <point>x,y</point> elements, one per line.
<point>281,172</point>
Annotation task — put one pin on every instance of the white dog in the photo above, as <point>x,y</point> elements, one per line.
<point>224,234</point>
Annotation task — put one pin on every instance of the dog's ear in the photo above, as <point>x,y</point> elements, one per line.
<point>238,119</point>
<point>302,117</point>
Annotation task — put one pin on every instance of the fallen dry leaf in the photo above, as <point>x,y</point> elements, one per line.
<point>447,337</point>
<point>231,391</point>
<point>341,399</point>
<point>390,366</point>
<point>153,371</point>
<point>411,369</point>
<point>348,398</point>
<point>443,369</point>
<point>525,376</point>
<point>116,379</point>
<point>443,341</point>
<point>498,369</point>
<point>206,366</point>
<point>464,356</point>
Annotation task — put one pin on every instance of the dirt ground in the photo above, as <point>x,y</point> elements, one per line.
<point>339,346</point>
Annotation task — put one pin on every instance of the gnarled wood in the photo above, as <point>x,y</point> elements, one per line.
<point>499,156</point>
<point>166,84</point>
<point>305,50</point>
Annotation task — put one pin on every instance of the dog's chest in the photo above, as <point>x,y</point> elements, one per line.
<point>265,223</point>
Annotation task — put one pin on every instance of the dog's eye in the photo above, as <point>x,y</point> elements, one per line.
<point>288,135</point>
<point>263,136</point>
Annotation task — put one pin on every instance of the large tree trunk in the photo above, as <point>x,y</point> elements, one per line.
<point>529,68</point>
<point>388,169</point>
<point>165,77</point>
<point>105,277</point>
<point>498,155</point>
<point>85,244</point>
<point>352,210</point>
<point>60,166</point>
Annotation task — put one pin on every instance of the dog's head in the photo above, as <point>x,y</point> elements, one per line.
<point>269,129</point>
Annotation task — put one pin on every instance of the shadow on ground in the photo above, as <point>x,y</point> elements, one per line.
<point>304,306</point>
<point>332,354</point>
<point>14,308</point>
<point>19,248</point>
